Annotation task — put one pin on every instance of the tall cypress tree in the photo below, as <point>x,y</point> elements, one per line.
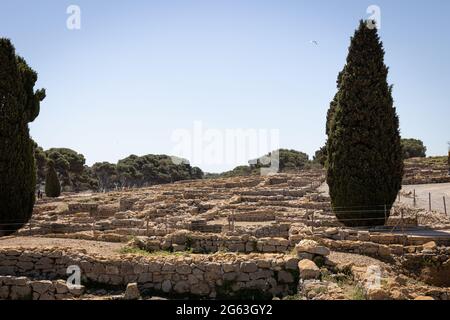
<point>19,105</point>
<point>364,154</point>
<point>52,185</point>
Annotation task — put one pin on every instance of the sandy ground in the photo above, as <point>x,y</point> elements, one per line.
<point>94,247</point>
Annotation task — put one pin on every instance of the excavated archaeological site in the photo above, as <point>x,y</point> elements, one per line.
<point>237,238</point>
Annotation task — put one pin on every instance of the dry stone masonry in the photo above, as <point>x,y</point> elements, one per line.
<point>245,237</point>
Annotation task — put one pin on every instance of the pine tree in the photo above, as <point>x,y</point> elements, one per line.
<point>52,185</point>
<point>19,105</point>
<point>364,154</point>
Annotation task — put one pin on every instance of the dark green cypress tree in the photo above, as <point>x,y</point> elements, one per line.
<point>52,185</point>
<point>19,105</point>
<point>364,154</point>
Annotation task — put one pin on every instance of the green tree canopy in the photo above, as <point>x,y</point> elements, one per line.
<point>19,105</point>
<point>365,167</point>
<point>52,185</point>
<point>413,148</point>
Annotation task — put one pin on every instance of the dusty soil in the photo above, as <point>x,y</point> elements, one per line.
<point>91,247</point>
<point>355,259</point>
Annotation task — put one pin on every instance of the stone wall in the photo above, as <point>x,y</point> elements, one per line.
<point>197,275</point>
<point>210,243</point>
<point>22,288</point>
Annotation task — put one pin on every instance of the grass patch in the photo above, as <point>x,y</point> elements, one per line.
<point>357,293</point>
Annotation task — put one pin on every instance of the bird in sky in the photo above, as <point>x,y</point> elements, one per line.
<point>314,42</point>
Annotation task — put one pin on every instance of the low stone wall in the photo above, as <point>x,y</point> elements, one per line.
<point>76,207</point>
<point>386,238</point>
<point>210,243</point>
<point>254,216</point>
<point>431,266</point>
<point>280,230</point>
<point>22,288</point>
<point>383,251</point>
<point>198,275</point>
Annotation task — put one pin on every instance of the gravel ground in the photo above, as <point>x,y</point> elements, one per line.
<point>356,259</point>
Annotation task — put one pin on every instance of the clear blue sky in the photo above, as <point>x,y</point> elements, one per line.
<point>137,70</point>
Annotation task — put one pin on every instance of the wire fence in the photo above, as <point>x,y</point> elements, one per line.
<point>430,200</point>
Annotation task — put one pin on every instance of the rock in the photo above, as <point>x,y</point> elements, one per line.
<point>423,298</point>
<point>178,247</point>
<point>285,277</point>
<point>181,287</point>
<point>61,287</point>
<point>311,246</point>
<point>41,286</point>
<point>228,267</point>
<point>396,249</point>
<point>183,269</point>
<point>20,293</point>
<point>363,236</point>
<point>201,288</point>
<point>113,270</point>
<point>248,267</point>
<point>48,296</point>
<point>166,286</point>
<point>308,269</point>
<point>145,277</point>
<point>76,291</point>
<point>305,255</point>
<point>331,231</point>
<point>384,251</point>
<point>19,281</point>
<point>4,292</point>
<point>378,294</point>
<point>132,292</point>
<point>430,246</point>
<point>292,263</point>
<point>398,295</point>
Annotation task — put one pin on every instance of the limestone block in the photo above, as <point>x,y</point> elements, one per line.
<point>308,269</point>
<point>132,292</point>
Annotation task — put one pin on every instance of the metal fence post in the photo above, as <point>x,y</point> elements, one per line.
<point>403,222</point>
<point>445,205</point>
<point>429,200</point>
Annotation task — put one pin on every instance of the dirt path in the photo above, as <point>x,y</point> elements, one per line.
<point>92,247</point>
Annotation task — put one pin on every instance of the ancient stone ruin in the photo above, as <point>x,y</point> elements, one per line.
<point>248,237</point>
